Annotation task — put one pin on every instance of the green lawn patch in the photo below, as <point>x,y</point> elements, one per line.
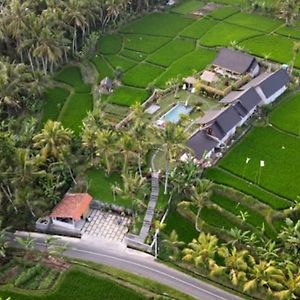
<point>110,44</point>
<point>55,99</point>
<point>185,228</point>
<point>142,74</point>
<point>144,43</point>
<point>100,187</point>
<point>196,60</point>
<point>80,285</point>
<point>75,111</point>
<point>214,218</point>
<point>286,115</point>
<point>253,218</point>
<point>119,61</point>
<point>223,12</point>
<point>128,96</point>
<point>223,34</point>
<point>102,67</point>
<point>261,23</point>
<point>220,176</point>
<point>138,56</point>
<point>172,51</point>
<point>72,76</point>
<point>293,32</point>
<point>278,150</point>
<point>279,48</point>
<point>199,28</point>
<point>161,24</point>
<point>187,7</point>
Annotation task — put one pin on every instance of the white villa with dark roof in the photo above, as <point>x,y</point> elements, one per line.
<point>218,126</point>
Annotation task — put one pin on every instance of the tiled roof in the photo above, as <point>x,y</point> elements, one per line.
<point>72,206</point>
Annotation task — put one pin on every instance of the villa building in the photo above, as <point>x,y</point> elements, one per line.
<point>236,63</point>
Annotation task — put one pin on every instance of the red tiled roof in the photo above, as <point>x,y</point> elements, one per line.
<point>72,206</point>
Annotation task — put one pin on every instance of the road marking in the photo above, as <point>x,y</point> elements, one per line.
<point>153,270</point>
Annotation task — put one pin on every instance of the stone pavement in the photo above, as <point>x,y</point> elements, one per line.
<point>106,225</point>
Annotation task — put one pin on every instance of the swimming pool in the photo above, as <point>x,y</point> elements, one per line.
<point>173,115</point>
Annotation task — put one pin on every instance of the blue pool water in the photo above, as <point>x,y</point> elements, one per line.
<point>173,115</point>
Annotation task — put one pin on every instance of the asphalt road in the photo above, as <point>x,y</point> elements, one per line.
<point>118,256</point>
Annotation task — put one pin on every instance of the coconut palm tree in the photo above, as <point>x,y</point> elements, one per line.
<point>173,140</point>
<point>236,263</point>
<point>27,244</point>
<point>53,141</point>
<point>291,288</point>
<point>202,251</point>
<point>264,275</point>
<point>104,143</point>
<point>173,245</point>
<point>200,195</point>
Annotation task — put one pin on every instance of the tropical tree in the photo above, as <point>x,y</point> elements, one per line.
<point>174,84</point>
<point>173,141</point>
<point>53,141</point>
<point>3,242</point>
<point>134,188</point>
<point>172,245</point>
<point>289,10</point>
<point>27,244</point>
<point>202,251</point>
<point>291,288</point>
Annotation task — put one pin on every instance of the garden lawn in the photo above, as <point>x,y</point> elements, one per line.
<point>144,43</point>
<point>72,76</point>
<point>223,34</point>
<point>102,67</point>
<point>279,152</point>
<point>172,51</point>
<point>223,12</point>
<point>75,111</point>
<point>220,176</point>
<point>196,60</point>
<point>161,24</point>
<point>119,61</point>
<point>199,28</point>
<point>55,99</point>
<point>141,75</point>
<point>100,187</point>
<point>278,48</point>
<point>80,285</point>
<point>286,116</point>
<point>184,228</point>
<point>256,22</point>
<point>128,96</point>
<point>187,7</point>
<point>139,56</point>
<point>110,44</point>
<point>253,218</point>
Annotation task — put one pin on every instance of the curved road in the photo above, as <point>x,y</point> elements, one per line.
<point>117,255</point>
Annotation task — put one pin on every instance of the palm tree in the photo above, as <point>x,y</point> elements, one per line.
<point>236,263</point>
<point>174,84</point>
<point>173,245</point>
<point>3,242</point>
<point>127,147</point>
<point>173,140</point>
<point>201,193</point>
<point>104,143</point>
<point>53,141</point>
<point>27,244</point>
<point>291,287</point>
<point>134,188</point>
<point>202,251</point>
<point>264,275</point>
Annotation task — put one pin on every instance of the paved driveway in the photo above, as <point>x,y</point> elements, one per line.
<point>106,225</point>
